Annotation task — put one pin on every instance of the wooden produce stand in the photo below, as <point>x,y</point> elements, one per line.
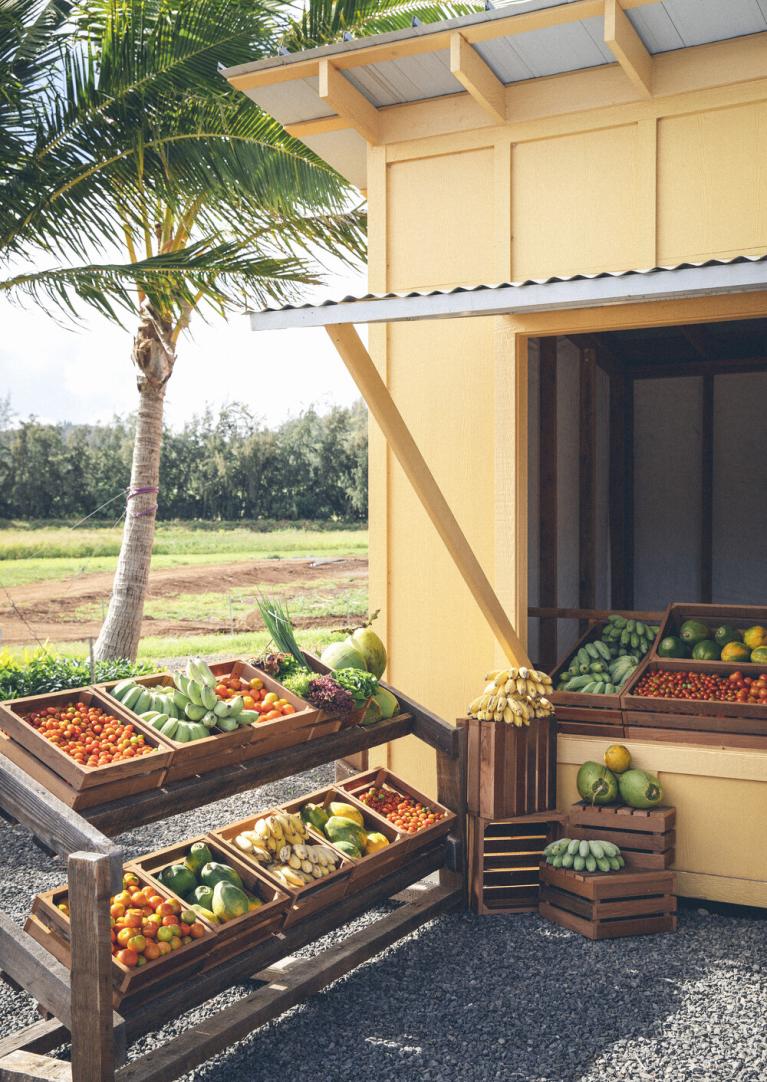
<point>78,1002</point>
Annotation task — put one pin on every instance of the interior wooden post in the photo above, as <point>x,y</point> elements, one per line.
<point>587,477</point>
<point>707,490</point>
<point>93,1045</point>
<point>547,539</point>
<point>381,405</point>
<point>616,486</point>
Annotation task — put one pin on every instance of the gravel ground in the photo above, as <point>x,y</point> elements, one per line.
<point>466,999</point>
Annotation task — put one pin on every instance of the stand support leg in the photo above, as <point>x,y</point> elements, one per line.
<point>93,1051</point>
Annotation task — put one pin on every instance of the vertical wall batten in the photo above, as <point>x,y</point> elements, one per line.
<point>587,481</point>
<point>547,539</point>
<point>707,490</point>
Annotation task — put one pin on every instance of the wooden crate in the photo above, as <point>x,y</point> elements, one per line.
<point>505,859</point>
<point>608,905</point>
<point>383,778</point>
<point>511,771</point>
<point>647,714</point>
<point>371,867</point>
<point>689,729</point>
<point>241,932</point>
<point>577,698</point>
<point>148,771</point>
<point>51,928</point>
<point>304,901</point>
<point>646,838</point>
<point>590,721</point>
<point>739,616</point>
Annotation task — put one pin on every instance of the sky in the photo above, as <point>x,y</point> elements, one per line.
<point>86,375</point>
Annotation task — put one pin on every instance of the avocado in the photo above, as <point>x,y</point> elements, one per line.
<point>706,650</point>
<point>727,633</point>
<point>672,646</point>
<point>214,873</point>
<point>179,879</point>
<point>693,631</point>
<point>198,855</point>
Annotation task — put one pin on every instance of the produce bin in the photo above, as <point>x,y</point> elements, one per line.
<point>357,784</point>
<point>512,770</point>
<point>608,905</point>
<point>504,861</point>
<point>693,721</point>
<point>368,868</point>
<point>196,756</point>
<point>147,771</point>
<point>645,837</point>
<point>304,900</point>
<point>51,928</point>
<point>240,933</point>
<point>738,616</point>
<point>286,732</point>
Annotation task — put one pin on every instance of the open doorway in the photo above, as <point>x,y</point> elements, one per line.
<point>648,473</point>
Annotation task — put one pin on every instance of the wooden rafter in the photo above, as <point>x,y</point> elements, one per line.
<point>628,48</point>
<point>305,129</point>
<point>477,78</point>
<point>338,92</point>
<point>381,404</point>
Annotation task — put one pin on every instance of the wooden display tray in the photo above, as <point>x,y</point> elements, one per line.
<point>150,769</point>
<point>724,717</point>
<point>51,928</point>
<point>511,771</point>
<point>505,859</point>
<point>304,900</point>
<point>385,779</point>
<point>608,905</point>
<point>739,616</point>
<point>646,838</point>
<point>599,703</point>
<point>242,932</point>
<point>368,868</point>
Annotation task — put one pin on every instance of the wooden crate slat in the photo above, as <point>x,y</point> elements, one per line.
<point>608,905</point>
<point>512,770</point>
<point>634,819</point>
<point>507,882</point>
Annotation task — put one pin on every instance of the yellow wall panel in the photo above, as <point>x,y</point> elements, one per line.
<point>572,200</point>
<point>712,183</point>
<point>441,220</point>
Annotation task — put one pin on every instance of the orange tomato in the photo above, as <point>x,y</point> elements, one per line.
<point>117,911</point>
<point>164,948</point>
<point>288,709</point>
<point>152,951</point>
<point>124,935</point>
<point>164,909</point>
<point>133,922</point>
<point>128,958</point>
<point>175,943</point>
<point>248,702</point>
<point>197,930</point>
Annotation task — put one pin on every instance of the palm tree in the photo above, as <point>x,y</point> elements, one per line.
<point>156,190</point>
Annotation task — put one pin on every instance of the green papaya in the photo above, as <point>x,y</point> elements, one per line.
<point>213,873</point>
<point>315,815</point>
<point>348,849</point>
<point>339,829</point>
<point>179,879</point>
<point>229,901</point>
<point>198,855</point>
<point>203,895</point>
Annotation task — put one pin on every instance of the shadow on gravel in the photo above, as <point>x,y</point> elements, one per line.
<point>515,999</point>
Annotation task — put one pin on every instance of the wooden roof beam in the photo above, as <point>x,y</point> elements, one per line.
<point>628,48</point>
<point>336,90</point>
<point>477,78</point>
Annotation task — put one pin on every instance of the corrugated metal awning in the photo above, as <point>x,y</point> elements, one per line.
<point>741,274</point>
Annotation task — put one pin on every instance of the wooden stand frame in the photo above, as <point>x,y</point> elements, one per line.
<point>80,1002</point>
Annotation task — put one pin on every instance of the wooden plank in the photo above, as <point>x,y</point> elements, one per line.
<point>381,405</point>
<point>628,494</point>
<point>707,490</point>
<point>50,820</point>
<point>22,1066</point>
<point>587,481</point>
<point>321,125</point>
<point>41,1036</point>
<point>146,1017</point>
<point>451,791</point>
<point>593,614</point>
<point>89,881</point>
<point>294,981</point>
<point>628,48</point>
<point>336,90</point>
<point>617,488</point>
<point>547,540</point>
<point>239,778</point>
<point>477,78</point>
<point>32,967</point>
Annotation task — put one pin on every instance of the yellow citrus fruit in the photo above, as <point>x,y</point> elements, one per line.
<point>755,636</point>
<point>617,758</point>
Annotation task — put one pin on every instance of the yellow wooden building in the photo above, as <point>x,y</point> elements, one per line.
<point>561,196</point>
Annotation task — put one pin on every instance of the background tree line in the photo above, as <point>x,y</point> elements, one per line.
<point>226,465</point>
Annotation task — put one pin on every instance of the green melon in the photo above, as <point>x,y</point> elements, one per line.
<point>597,784</point>
<point>639,789</point>
<point>372,650</point>
<point>343,655</point>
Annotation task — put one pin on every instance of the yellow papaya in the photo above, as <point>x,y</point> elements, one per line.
<point>375,842</point>
<point>736,651</point>
<point>755,636</point>
<point>346,811</point>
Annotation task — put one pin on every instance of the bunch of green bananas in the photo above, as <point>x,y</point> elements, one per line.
<point>581,855</point>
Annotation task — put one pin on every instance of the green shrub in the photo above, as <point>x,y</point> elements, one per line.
<point>42,671</point>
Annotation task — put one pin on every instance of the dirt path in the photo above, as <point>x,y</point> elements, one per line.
<point>47,606</point>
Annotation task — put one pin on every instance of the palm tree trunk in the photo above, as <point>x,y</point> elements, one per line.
<point>154,357</point>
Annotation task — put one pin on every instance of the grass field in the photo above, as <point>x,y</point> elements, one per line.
<point>204,584</point>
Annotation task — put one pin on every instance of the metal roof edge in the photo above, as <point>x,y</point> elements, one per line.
<point>742,274</point>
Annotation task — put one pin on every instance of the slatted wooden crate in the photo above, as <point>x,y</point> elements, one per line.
<point>511,771</point>
<point>646,838</point>
<point>382,778</point>
<point>504,861</point>
<point>608,905</point>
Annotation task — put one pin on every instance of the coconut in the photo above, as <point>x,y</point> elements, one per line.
<point>640,789</point>
<point>343,655</point>
<point>371,648</point>
<point>597,784</point>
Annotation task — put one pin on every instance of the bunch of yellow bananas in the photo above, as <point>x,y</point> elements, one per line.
<point>515,696</point>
